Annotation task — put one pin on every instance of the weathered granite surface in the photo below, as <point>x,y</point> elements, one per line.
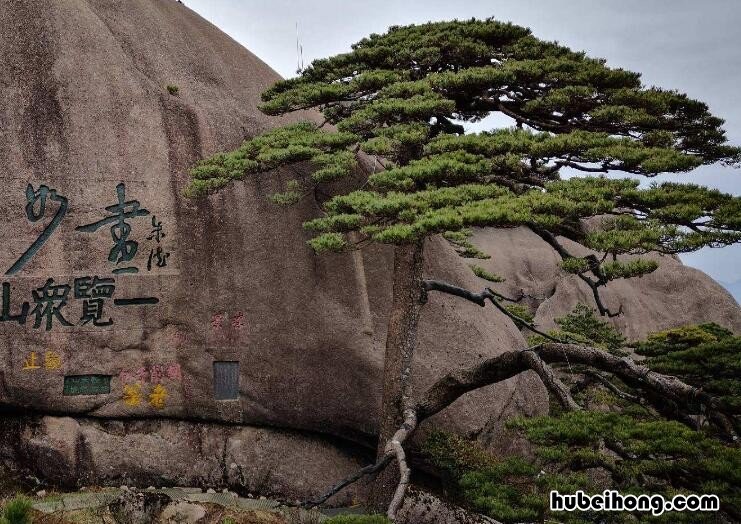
<point>673,295</point>
<point>110,317</point>
<point>229,321</point>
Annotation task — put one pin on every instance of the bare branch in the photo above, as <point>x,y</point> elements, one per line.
<point>612,387</point>
<point>587,169</point>
<point>507,365</point>
<point>667,387</point>
<point>551,239</point>
<point>457,383</point>
<point>396,446</point>
<point>524,323</point>
<point>522,295</point>
<point>480,299</point>
<point>350,479</point>
<point>551,381</point>
<point>444,287</point>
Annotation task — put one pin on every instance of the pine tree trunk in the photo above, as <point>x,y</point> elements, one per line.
<point>400,343</point>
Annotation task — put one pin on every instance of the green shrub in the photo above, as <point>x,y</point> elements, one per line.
<point>661,456</point>
<point>463,246</point>
<point>173,90</point>
<point>520,311</point>
<point>483,273</point>
<point>679,339</point>
<point>583,326</point>
<point>17,511</point>
<point>583,323</point>
<point>455,455</point>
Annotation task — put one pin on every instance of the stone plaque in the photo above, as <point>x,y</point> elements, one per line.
<point>87,385</point>
<point>226,380</point>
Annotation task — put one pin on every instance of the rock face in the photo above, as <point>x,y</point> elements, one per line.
<point>123,301</point>
<point>421,507</point>
<point>138,508</point>
<point>72,452</point>
<point>673,295</point>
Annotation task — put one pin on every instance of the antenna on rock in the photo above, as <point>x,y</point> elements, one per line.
<point>299,53</point>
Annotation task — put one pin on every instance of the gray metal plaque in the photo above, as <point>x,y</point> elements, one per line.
<point>226,380</point>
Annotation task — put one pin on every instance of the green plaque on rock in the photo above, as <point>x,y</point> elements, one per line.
<point>87,385</point>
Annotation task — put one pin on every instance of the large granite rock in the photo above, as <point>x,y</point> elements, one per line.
<point>73,453</point>
<point>126,301</point>
<point>123,301</point>
<point>421,507</point>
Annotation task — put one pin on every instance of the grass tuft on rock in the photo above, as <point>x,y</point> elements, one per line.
<point>17,511</point>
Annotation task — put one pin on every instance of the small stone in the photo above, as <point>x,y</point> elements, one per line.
<point>250,496</point>
<point>225,490</point>
<point>186,489</point>
<point>41,493</point>
<point>151,488</point>
<point>138,508</point>
<point>183,512</point>
<point>210,490</point>
<point>124,488</point>
<point>262,498</point>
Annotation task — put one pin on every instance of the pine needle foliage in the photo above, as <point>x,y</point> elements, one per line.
<point>616,444</point>
<point>707,356</point>
<point>486,275</point>
<point>590,451</point>
<point>619,445</point>
<point>582,325</point>
<point>404,96</point>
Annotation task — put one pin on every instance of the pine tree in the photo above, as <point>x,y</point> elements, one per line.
<point>706,356</point>
<point>624,443</point>
<point>403,98</point>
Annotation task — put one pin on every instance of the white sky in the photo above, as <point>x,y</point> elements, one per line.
<point>690,45</point>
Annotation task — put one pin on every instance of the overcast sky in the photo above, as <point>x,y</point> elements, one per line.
<point>690,45</point>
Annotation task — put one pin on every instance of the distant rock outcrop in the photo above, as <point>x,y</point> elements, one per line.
<point>123,302</point>
<point>674,295</point>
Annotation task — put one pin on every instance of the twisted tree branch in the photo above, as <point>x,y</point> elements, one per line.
<point>480,299</point>
<point>612,387</point>
<point>444,287</point>
<point>551,381</point>
<point>396,446</point>
<point>457,383</point>
<point>347,481</point>
<point>594,285</point>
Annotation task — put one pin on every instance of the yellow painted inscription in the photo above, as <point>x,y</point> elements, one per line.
<point>52,360</point>
<point>158,396</point>
<point>31,362</point>
<point>132,394</point>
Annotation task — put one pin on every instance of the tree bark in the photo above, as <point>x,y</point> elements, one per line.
<point>400,344</point>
